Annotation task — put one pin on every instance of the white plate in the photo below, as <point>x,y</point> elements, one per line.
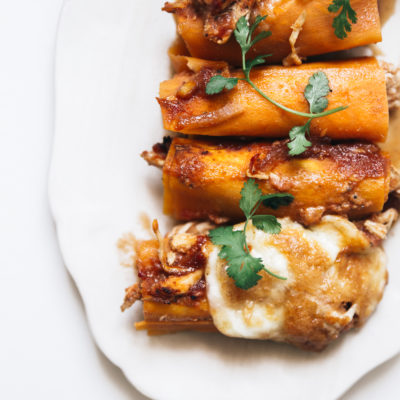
<point>111,56</point>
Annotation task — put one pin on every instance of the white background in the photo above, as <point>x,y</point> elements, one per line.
<point>46,350</point>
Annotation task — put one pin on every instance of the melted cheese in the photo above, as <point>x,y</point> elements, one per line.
<point>334,280</point>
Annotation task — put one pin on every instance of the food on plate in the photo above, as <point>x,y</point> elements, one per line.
<point>287,215</point>
<point>202,179</point>
<point>358,84</point>
<point>297,28</point>
<point>335,276</point>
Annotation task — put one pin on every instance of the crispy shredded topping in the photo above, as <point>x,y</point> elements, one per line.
<point>153,158</point>
<point>293,58</point>
<point>380,224</point>
<point>221,17</point>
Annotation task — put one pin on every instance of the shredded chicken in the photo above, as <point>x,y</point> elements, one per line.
<point>293,58</point>
<point>132,294</point>
<point>392,84</point>
<point>153,158</point>
<point>221,17</point>
<point>380,224</point>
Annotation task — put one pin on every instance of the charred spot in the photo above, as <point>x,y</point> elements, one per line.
<point>198,290</point>
<point>346,305</point>
<point>166,290</point>
<point>362,160</point>
<point>149,271</point>
<point>269,157</point>
<point>162,149</point>
<point>194,258</point>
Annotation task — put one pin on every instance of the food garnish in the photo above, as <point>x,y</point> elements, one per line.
<point>342,22</point>
<point>315,92</point>
<point>242,266</point>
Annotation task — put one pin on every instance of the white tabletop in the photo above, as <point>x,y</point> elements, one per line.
<point>46,349</point>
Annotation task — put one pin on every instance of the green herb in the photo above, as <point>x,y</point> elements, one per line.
<point>218,83</point>
<point>242,266</point>
<point>314,92</point>
<point>342,22</point>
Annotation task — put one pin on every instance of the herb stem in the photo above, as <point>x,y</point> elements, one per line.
<point>274,275</point>
<point>281,106</point>
<point>245,239</point>
<point>244,61</point>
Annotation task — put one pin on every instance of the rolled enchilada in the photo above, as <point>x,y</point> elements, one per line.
<point>335,273</point>
<point>206,27</point>
<point>358,84</point>
<point>202,178</point>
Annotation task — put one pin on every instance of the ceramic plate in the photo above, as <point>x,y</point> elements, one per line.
<point>111,56</point>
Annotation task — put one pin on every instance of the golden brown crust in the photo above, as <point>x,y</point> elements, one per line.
<point>323,297</point>
<point>203,178</point>
<point>317,36</point>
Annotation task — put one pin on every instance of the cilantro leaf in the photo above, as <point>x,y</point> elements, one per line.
<point>256,22</point>
<point>226,236</point>
<point>251,195</point>
<point>262,35</point>
<point>218,83</point>
<point>277,200</point>
<point>256,61</point>
<point>242,32</point>
<point>298,141</point>
<point>341,21</point>
<point>244,271</point>
<point>266,223</point>
<point>318,86</point>
<point>242,266</point>
<point>316,92</point>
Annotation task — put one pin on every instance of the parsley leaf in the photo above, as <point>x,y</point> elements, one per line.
<point>242,266</point>
<point>316,92</point>
<point>218,83</point>
<point>341,21</point>
<point>277,200</point>
<point>298,142</point>
<point>251,195</point>
<point>266,223</point>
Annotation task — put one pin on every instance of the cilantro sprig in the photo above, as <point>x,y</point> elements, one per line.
<point>342,22</point>
<point>242,266</point>
<point>315,92</point>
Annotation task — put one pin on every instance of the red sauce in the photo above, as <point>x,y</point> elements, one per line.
<point>152,276</point>
<point>362,160</point>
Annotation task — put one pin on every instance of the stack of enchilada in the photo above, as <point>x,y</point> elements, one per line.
<point>328,247</point>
